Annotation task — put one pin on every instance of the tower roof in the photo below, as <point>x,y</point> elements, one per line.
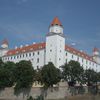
<point>56,21</point>
<point>5,41</point>
<point>95,50</point>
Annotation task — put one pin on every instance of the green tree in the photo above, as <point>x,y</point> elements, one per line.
<point>1,62</point>
<point>73,71</point>
<point>38,76</point>
<point>98,74</point>
<point>50,75</point>
<point>6,75</point>
<point>30,98</point>
<point>91,76</point>
<point>24,74</point>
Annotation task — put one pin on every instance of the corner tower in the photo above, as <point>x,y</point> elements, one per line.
<point>4,47</point>
<point>4,44</point>
<point>55,44</point>
<point>96,55</point>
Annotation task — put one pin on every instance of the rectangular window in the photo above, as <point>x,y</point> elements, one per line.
<point>82,59</point>
<point>23,55</point>
<point>26,54</point>
<point>38,60</point>
<point>77,58</point>
<point>72,56</point>
<point>38,52</point>
<point>50,50</point>
<point>20,56</point>
<point>66,53</point>
<point>17,56</point>
<point>14,57</point>
<point>29,54</point>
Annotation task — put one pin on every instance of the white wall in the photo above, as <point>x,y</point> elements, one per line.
<point>83,62</point>
<point>32,56</point>
<point>55,50</point>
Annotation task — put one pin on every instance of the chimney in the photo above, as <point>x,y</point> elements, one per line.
<point>34,43</point>
<point>16,47</point>
<point>26,45</point>
<point>21,46</point>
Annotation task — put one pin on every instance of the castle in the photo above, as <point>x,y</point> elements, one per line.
<point>52,50</point>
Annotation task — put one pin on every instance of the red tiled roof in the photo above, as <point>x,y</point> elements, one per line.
<point>56,21</point>
<point>40,46</point>
<point>79,53</point>
<point>32,47</point>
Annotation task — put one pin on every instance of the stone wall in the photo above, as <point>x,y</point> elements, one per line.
<point>59,92</point>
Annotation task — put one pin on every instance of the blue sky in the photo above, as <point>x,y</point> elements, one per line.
<point>27,21</point>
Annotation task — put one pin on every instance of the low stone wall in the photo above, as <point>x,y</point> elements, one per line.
<point>57,93</point>
<point>84,97</point>
<point>60,92</point>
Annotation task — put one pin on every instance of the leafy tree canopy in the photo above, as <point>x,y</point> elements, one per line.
<point>50,75</point>
<point>91,76</point>
<point>72,71</point>
<point>6,75</point>
<point>24,74</point>
<point>1,62</point>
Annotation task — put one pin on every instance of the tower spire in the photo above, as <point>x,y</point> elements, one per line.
<point>5,41</point>
<point>56,21</point>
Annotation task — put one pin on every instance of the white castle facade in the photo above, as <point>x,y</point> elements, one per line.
<point>53,50</point>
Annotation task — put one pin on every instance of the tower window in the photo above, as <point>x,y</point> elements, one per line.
<point>72,56</point>
<point>38,52</point>
<point>38,60</point>
<point>50,50</point>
